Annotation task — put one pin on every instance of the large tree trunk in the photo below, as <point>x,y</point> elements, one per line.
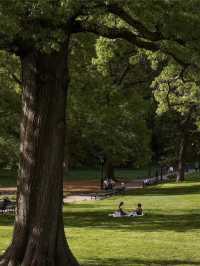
<point>181,160</point>
<point>38,238</point>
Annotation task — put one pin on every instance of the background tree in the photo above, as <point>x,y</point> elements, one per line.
<point>177,91</point>
<point>107,108</point>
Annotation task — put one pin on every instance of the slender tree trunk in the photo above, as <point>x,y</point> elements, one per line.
<point>109,169</point>
<point>38,238</point>
<point>149,171</point>
<point>161,173</point>
<point>181,160</point>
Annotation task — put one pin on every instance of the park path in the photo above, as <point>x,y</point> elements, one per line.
<point>8,190</point>
<point>81,190</point>
<point>80,186</point>
<point>130,185</point>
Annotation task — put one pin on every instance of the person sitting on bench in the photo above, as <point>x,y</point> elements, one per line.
<point>4,204</point>
<point>108,183</point>
<point>6,201</point>
<point>105,184</point>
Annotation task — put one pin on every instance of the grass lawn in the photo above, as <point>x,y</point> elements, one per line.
<point>88,174</point>
<point>8,178</point>
<point>168,234</point>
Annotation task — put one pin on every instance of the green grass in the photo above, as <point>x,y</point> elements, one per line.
<point>91,174</point>
<point>168,234</point>
<point>8,178</point>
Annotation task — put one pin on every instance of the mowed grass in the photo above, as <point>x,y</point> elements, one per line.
<point>168,234</point>
<point>8,177</point>
<point>91,174</point>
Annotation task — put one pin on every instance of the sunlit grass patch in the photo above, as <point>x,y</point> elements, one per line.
<point>167,235</point>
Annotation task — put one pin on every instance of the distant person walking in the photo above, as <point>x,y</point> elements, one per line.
<point>196,166</point>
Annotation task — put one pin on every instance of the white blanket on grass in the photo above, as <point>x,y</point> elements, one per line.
<point>130,214</point>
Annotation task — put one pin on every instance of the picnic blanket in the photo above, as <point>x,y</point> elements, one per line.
<point>130,214</point>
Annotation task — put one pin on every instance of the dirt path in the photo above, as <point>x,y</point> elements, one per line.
<point>80,190</point>
<point>77,198</point>
<point>8,190</point>
<point>79,187</point>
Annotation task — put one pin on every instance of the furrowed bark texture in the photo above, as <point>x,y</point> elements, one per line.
<point>38,238</point>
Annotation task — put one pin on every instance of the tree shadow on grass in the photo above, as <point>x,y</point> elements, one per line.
<point>138,262</point>
<point>93,217</point>
<point>149,222</point>
<point>83,205</point>
<point>7,220</point>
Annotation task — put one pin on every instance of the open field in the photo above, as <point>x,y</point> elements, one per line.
<point>168,234</point>
<point>89,174</point>
<point>8,178</point>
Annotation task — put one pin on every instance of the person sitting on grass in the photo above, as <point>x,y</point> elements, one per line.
<point>120,210</point>
<point>139,210</point>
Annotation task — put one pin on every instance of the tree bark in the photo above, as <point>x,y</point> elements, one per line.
<point>181,160</point>
<point>38,237</point>
<point>109,169</point>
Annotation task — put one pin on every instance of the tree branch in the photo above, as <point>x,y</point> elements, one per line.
<point>114,33</point>
<point>123,33</point>
<point>16,79</point>
<point>142,30</point>
<point>176,58</point>
<point>123,74</point>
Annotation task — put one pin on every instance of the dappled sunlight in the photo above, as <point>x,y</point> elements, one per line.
<point>166,235</point>
<point>169,189</point>
<point>167,210</point>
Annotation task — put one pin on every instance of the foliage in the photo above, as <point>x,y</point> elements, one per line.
<point>9,110</point>
<point>43,25</point>
<point>176,91</point>
<point>107,109</point>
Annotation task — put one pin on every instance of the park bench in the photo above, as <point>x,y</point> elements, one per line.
<point>156,180</point>
<point>101,195</point>
<point>107,193</point>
